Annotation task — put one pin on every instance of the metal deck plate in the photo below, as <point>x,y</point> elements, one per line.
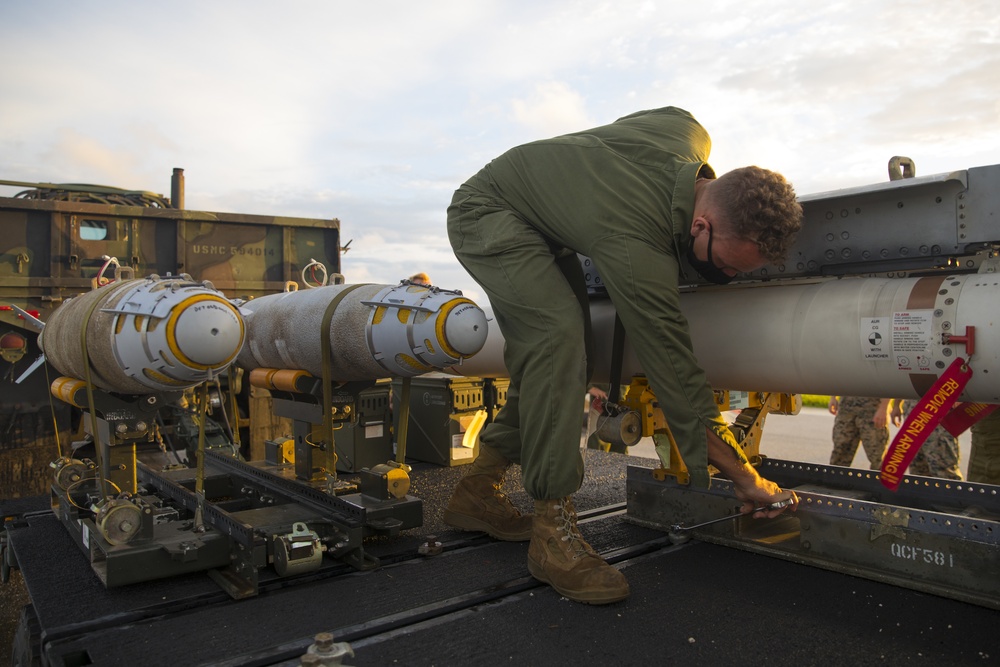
<point>933,535</point>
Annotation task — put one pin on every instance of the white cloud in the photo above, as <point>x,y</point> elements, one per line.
<point>553,108</point>
<point>375,112</point>
<point>112,165</point>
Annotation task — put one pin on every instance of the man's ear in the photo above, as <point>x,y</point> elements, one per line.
<point>699,225</point>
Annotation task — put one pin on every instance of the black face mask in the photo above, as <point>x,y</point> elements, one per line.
<point>706,267</point>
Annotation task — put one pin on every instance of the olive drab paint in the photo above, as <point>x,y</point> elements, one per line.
<point>54,242</point>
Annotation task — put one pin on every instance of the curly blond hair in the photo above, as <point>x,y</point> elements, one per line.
<point>760,206</point>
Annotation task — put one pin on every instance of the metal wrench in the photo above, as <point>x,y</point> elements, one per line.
<point>677,532</point>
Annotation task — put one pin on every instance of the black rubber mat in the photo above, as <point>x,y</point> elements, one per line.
<point>692,604</point>
<point>702,604</point>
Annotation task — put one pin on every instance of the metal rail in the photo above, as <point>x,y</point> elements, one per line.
<point>936,536</point>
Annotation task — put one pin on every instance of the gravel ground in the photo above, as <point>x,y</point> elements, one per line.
<point>13,596</point>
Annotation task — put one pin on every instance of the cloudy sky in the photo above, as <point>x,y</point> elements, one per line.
<point>374,112</point>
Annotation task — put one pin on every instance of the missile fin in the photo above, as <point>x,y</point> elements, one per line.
<point>31,369</point>
<point>33,321</point>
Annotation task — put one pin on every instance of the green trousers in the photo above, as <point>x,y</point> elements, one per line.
<point>539,299</point>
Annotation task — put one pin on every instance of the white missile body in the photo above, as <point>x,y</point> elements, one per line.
<point>142,336</point>
<point>373,331</point>
<point>885,337</point>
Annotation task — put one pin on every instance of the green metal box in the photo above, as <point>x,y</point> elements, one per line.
<point>495,395</point>
<point>442,408</point>
<point>368,442</point>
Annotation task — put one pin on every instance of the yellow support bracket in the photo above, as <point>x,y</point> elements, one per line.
<point>747,428</point>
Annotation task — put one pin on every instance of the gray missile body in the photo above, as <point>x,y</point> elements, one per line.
<point>142,336</point>
<point>373,331</point>
<point>886,337</point>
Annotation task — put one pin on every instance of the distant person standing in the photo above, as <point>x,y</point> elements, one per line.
<point>984,455</point>
<point>859,419</point>
<point>938,456</point>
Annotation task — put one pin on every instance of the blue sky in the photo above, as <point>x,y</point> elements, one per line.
<point>375,112</point>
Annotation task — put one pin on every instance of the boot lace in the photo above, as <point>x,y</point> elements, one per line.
<point>500,498</point>
<point>566,523</point>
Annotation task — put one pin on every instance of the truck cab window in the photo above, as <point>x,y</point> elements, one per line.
<point>93,230</point>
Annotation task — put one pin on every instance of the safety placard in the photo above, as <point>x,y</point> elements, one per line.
<point>911,339</point>
<point>875,345</point>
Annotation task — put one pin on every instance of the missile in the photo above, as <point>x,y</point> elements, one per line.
<point>146,335</point>
<point>885,337</point>
<point>372,331</point>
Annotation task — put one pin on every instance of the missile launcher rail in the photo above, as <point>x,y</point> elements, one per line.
<point>907,226</point>
<point>904,226</point>
<point>934,535</point>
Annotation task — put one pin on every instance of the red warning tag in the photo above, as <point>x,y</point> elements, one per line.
<point>923,419</point>
<point>964,415</point>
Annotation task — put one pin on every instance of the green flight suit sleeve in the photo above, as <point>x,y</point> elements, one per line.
<point>642,283</point>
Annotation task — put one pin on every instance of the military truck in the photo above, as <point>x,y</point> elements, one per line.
<point>60,240</point>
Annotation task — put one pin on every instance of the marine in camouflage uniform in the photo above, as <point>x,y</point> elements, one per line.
<point>984,457</point>
<point>938,456</point>
<point>856,422</point>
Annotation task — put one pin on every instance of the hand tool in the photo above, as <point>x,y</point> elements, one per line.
<point>678,534</point>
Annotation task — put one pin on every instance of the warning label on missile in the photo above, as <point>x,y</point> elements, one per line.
<point>874,344</point>
<point>911,339</point>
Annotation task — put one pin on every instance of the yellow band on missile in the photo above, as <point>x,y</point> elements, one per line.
<point>439,327</point>
<point>157,376</point>
<point>407,360</point>
<point>68,389</point>
<point>279,379</point>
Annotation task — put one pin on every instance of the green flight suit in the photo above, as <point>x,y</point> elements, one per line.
<point>623,195</point>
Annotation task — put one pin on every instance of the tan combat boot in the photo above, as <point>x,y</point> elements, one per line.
<point>478,503</point>
<point>559,556</point>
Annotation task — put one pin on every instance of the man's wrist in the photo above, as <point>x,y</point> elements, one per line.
<point>737,468</point>
<point>743,473</point>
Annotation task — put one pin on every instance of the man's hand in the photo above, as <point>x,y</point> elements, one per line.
<point>750,487</point>
<point>755,491</point>
<point>896,414</point>
<point>597,392</point>
<point>880,419</point>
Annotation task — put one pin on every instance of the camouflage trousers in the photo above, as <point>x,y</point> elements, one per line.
<point>984,457</point>
<point>938,456</point>
<point>851,426</point>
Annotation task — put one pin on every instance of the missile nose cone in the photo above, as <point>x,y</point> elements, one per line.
<point>208,332</point>
<point>465,329</point>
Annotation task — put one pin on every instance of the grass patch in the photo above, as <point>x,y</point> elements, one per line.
<point>815,401</point>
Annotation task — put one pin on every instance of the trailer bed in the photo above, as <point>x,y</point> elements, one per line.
<point>475,603</point>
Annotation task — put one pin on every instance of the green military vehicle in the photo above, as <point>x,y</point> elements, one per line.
<point>57,241</point>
